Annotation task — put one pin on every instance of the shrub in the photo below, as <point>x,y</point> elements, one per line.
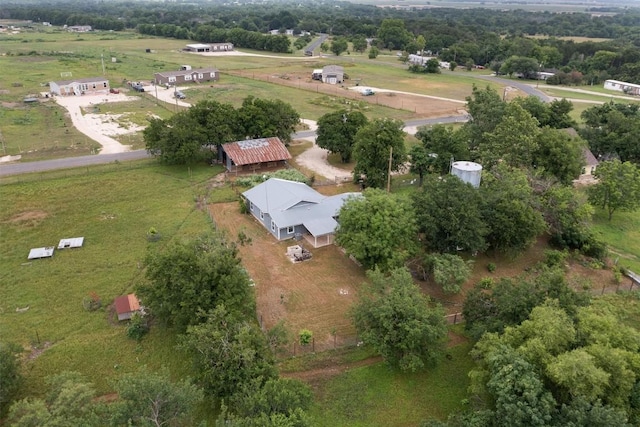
<point>486,283</point>
<point>92,302</point>
<point>553,258</point>
<point>305,336</point>
<point>491,267</point>
<point>138,327</point>
<point>153,235</point>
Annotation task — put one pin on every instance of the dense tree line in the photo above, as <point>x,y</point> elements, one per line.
<point>478,36</point>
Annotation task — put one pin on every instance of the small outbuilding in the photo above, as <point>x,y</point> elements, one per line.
<point>627,88</point>
<point>126,306</point>
<point>86,86</point>
<point>333,74</point>
<point>253,154</point>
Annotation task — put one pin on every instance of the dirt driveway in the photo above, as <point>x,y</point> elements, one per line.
<point>314,294</point>
<point>99,127</point>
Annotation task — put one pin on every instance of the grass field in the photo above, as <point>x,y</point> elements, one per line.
<point>622,234</point>
<point>112,207</point>
<point>375,395</point>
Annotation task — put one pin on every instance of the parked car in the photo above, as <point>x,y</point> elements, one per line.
<point>112,90</point>
<point>179,95</point>
<point>368,92</point>
<point>137,86</point>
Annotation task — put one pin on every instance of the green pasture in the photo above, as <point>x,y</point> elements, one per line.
<point>112,207</point>
<point>622,234</point>
<point>375,395</point>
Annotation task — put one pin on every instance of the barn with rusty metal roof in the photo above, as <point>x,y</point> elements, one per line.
<point>252,155</point>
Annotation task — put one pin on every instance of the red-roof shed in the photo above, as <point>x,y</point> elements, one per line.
<point>253,154</point>
<point>126,306</point>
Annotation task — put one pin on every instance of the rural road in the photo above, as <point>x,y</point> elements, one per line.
<point>72,162</point>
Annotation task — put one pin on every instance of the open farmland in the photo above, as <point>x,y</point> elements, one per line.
<point>112,207</point>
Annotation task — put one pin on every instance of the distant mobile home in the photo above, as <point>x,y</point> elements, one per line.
<point>86,86</point>
<point>186,76</point>
<point>211,47</point>
<point>628,88</point>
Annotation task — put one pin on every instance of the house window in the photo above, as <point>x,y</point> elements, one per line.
<point>200,76</point>
<point>289,230</point>
<point>172,79</point>
<point>104,84</point>
<point>187,77</point>
<point>273,225</point>
<point>212,75</point>
<point>261,215</point>
<point>250,205</point>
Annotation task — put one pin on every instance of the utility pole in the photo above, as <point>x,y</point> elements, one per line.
<point>389,170</point>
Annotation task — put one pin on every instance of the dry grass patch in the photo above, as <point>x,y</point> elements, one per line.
<point>314,294</point>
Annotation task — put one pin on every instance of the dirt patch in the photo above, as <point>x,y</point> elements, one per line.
<point>331,369</point>
<point>37,351</point>
<point>315,294</point>
<point>421,106</point>
<point>28,218</point>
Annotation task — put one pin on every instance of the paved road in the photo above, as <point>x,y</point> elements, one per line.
<point>73,162</point>
<point>525,87</point>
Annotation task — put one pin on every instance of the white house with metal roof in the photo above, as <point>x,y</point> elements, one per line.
<point>290,209</point>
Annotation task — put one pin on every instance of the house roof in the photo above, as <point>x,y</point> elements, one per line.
<point>589,158</point>
<point>291,203</point>
<point>253,151</point>
<point>198,46</point>
<point>332,69</point>
<point>84,80</point>
<point>126,304</point>
<point>185,72</point>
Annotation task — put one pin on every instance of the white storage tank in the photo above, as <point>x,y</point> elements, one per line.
<point>468,172</point>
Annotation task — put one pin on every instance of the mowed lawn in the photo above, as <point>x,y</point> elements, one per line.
<point>112,207</point>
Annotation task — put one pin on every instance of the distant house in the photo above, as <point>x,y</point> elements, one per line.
<point>544,75</point>
<point>126,306</point>
<point>212,47</point>
<point>253,154</point>
<point>332,74</point>
<point>79,28</point>
<point>291,209</point>
<point>186,76</point>
<point>628,88</point>
<point>87,86</point>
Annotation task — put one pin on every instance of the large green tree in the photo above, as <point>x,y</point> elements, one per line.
<point>228,351</point>
<point>151,399</point>
<point>618,187</point>
<point>509,210</point>
<point>443,144</point>
<point>375,143</point>
<point>394,317</point>
<point>486,108</point>
<point>272,403</point>
<point>513,141</point>
<point>559,155</point>
<point>263,118</point>
<point>69,402</point>
<point>393,34</point>
<point>378,229</point>
<point>448,213</point>
<point>187,278</point>
<point>339,45</point>
<point>337,131</point>
<point>178,140</point>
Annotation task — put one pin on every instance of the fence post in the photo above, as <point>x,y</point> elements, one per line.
<point>313,344</point>
<point>294,348</point>
<point>455,318</point>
